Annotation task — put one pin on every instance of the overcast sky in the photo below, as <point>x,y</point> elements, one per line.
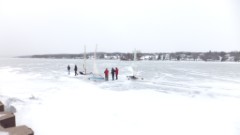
<point>65,26</point>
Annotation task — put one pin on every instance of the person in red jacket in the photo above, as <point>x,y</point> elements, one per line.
<point>106,74</point>
<point>116,71</point>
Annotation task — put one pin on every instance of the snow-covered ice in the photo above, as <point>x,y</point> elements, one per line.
<point>175,98</point>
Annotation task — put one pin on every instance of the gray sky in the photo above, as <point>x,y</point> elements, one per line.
<point>64,26</point>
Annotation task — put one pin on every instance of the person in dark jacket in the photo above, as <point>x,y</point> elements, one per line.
<point>75,69</point>
<point>68,68</point>
<point>106,74</point>
<point>116,72</point>
<point>112,72</point>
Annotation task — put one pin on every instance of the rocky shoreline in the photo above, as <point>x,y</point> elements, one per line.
<point>8,124</point>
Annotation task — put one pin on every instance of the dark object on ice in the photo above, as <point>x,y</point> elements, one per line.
<point>81,73</point>
<point>68,68</point>
<point>116,72</point>
<point>133,78</point>
<point>75,69</point>
<point>112,72</point>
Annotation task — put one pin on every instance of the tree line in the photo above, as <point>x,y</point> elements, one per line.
<point>177,56</point>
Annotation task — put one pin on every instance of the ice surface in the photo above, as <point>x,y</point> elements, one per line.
<point>3,133</point>
<point>190,98</point>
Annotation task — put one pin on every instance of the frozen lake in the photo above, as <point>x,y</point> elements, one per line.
<point>174,97</point>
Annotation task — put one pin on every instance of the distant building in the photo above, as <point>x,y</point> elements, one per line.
<point>167,56</point>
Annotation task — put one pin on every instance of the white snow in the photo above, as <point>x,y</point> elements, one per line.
<point>3,133</point>
<point>89,110</point>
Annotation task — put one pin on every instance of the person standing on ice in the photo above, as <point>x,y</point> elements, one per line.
<point>116,72</point>
<point>75,69</point>
<point>106,74</point>
<point>112,72</point>
<point>68,68</point>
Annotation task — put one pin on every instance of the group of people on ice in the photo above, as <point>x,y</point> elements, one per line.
<point>75,69</point>
<point>114,72</point>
